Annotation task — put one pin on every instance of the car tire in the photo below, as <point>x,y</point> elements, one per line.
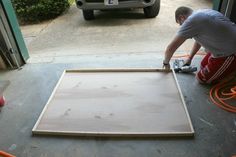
<point>152,11</point>
<point>88,14</point>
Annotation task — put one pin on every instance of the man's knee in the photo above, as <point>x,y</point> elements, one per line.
<point>202,79</point>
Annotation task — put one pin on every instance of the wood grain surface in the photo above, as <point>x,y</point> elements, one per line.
<point>115,104</point>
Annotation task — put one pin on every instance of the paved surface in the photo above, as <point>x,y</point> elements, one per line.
<point>30,32</point>
<point>117,32</point>
<point>30,88</point>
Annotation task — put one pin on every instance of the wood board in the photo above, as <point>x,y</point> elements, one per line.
<point>116,102</point>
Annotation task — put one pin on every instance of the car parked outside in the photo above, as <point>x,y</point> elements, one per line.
<point>150,7</point>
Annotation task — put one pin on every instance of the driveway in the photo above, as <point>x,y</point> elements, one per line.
<point>111,33</point>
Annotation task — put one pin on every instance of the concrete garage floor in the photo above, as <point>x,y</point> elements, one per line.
<point>30,88</point>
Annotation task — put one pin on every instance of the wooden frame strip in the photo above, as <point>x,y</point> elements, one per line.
<point>120,70</point>
<point>115,134</point>
<point>50,98</point>
<point>184,104</point>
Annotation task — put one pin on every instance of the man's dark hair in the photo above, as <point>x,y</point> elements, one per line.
<point>182,11</point>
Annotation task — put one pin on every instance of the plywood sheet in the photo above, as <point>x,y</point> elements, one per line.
<point>115,103</point>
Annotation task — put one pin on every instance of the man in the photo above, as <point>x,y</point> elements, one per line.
<point>212,30</point>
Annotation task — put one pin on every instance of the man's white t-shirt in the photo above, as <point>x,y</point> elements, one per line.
<point>212,30</point>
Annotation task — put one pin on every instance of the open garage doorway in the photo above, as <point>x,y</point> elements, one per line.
<point>112,34</point>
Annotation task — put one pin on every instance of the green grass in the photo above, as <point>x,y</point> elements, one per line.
<point>71,1</point>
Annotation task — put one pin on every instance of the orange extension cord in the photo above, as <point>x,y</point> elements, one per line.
<point>222,94</point>
<point>4,154</point>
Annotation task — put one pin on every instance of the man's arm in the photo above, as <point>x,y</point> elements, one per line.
<point>194,50</point>
<point>170,50</point>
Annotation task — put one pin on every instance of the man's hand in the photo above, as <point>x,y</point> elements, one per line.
<point>166,66</point>
<point>187,62</point>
